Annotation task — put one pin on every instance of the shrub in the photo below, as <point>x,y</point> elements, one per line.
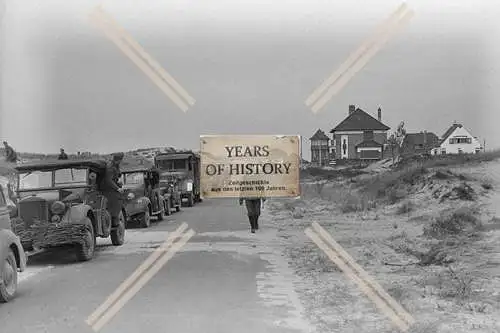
<point>405,208</point>
<point>462,220</point>
<point>487,186</point>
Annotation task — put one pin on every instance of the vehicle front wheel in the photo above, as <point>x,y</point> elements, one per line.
<point>118,233</point>
<point>8,270</point>
<point>85,250</point>
<point>178,208</point>
<point>145,220</point>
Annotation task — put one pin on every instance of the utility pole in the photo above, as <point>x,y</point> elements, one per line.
<point>300,162</point>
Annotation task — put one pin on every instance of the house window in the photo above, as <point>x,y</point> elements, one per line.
<point>460,140</point>
<point>460,151</point>
<point>443,151</point>
<point>419,146</point>
<point>435,151</point>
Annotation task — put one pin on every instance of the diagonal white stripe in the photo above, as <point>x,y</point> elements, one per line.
<point>140,63</point>
<point>153,63</point>
<point>137,273</point>
<point>363,60</point>
<point>355,55</point>
<point>390,313</point>
<point>142,281</point>
<point>362,273</point>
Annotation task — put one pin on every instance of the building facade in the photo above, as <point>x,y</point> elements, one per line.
<point>360,136</point>
<point>419,143</point>
<point>320,148</point>
<point>457,140</point>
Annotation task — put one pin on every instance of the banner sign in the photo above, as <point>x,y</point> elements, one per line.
<point>235,166</point>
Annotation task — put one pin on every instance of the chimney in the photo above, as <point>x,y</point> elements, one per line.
<point>352,108</point>
<point>379,114</point>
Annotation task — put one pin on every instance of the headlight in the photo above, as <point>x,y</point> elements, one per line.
<point>58,207</point>
<point>131,196</point>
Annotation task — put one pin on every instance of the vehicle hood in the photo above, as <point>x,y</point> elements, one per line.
<point>132,187</point>
<point>137,190</point>
<point>51,196</point>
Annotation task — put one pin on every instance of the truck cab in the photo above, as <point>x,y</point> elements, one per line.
<point>185,166</point>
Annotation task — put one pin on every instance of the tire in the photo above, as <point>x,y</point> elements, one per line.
<point>190,200</point>
<point>145,220</point>
<point>8,289</point>
<point>86,250</point>
<point>118,234</point>
<point>178,208</point>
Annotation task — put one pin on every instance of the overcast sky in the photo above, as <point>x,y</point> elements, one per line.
<point>249,64</point>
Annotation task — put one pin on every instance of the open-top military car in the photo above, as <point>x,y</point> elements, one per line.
<point>66,202</point>
<point>144,198</point>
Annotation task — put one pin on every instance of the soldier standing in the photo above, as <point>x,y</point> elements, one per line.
<point>10,153</point>
<point>253,210</point>
<point>112,188</point>
<point>62,155</point>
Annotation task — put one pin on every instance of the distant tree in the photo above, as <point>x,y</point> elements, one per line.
<point>396,140</point>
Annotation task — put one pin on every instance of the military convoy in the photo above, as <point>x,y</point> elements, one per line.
<point>64,204</point>
<point>148,196</point>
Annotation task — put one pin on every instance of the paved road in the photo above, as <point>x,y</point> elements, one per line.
<point>224,280</point>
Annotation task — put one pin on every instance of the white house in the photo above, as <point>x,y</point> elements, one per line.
<point>457,140</point>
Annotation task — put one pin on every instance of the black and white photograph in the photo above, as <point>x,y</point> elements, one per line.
<point>293,166</point>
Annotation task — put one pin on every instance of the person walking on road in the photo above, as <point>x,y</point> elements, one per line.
<point>10,153</point>
<point>62,155</point>
<point>253,209</point>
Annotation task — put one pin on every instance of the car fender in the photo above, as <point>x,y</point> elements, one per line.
<point>76,214</point>
<point>8,240</point>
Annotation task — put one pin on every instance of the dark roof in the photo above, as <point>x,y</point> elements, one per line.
<point>420,139</point>
<point>134,169</point>
<point>61,164</point>
<point>319,135</point>
<point>360,120</point>
<point>175,156</point>
<point>369,143</point>
<point>449,131</point>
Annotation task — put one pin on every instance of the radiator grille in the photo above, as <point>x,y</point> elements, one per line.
<point>33,210</point>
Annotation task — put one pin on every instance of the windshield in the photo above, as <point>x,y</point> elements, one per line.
<point>35,179</point>
<point>136,178</point>
<point>172,164</point>
<point>70,177</point>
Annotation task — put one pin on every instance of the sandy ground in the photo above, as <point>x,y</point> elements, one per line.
<point>463,299</point>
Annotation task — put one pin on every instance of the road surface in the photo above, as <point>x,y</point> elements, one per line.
<point>225,279</point>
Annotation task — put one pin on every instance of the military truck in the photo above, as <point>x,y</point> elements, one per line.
<point>185,166</point>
